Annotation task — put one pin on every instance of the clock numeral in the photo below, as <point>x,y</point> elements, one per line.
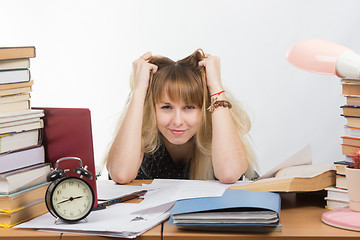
<point>58,192</point>
<point>71,183</point>
<point>63,186</point>
<point>84,190</point>
<point>71,214</point>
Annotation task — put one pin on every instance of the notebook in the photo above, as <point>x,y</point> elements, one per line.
<point>68,133</point>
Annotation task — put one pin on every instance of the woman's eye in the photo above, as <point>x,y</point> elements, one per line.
<point>190,107</point>
<point>166,107</point>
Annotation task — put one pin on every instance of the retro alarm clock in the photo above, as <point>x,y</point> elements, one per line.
<point>69,198</point>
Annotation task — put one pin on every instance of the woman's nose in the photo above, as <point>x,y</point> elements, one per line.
<point>178,118</point>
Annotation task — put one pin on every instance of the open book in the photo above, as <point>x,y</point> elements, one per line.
<point>286,177</point>
<point>295,178</point>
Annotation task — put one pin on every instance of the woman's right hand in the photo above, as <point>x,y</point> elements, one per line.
<point>142,69</point>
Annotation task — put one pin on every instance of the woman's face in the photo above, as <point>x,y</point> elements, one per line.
<point>177,121</point>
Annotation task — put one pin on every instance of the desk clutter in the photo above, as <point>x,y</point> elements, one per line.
<point>22,157</point>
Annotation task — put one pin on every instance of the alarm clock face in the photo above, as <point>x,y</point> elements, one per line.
<point>70,198</point>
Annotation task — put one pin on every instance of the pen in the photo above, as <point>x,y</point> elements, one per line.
<point>120,199</point>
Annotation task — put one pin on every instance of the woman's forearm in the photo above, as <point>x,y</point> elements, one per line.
<point>125,155</point>
<point>228,155</point>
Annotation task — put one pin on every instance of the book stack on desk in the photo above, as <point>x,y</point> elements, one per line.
<point>22,162</point>
<point>337,196</point>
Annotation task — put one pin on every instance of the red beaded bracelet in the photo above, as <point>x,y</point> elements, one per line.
<point>217,94</point>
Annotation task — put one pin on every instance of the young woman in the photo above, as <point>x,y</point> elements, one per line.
<point>180,123</point>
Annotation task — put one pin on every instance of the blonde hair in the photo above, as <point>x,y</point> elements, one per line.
<point>185,81</point>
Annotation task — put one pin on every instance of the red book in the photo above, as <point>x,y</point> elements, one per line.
<point>68,133</point>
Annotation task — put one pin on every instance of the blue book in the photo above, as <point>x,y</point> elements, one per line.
<point>235,210</point>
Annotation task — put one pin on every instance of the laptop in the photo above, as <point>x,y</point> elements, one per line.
<point>68,133</point>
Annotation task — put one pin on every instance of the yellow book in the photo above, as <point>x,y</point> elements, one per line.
<point>9,219</point>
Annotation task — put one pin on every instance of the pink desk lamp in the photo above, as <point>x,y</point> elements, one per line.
<point>321,56</point>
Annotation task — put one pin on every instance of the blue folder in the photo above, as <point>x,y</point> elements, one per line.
<point>231,200</point>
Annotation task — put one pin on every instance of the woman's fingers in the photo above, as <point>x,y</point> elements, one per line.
<point>146,56</point>
<point>153,67</point>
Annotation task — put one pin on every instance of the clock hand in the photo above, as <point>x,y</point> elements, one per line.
<point>70,199</point>
<point>76,198</point>
<point>64,201</point>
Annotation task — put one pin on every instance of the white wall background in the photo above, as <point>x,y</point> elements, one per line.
<point>85,49</point>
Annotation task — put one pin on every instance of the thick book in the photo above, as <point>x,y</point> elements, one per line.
<point>13,181</point>
<point>352,121</point>
<point>340,166</point>
<point>19,199</point>
<point>15,64</point>
<point>340,181</point>
<point>18,141</point>
<point>17,52</point>
<point>295,178</point>
<point>335,203</point>
<point>235,210</point>
<point>9,219</point>
<point>14,97</point>
<point>352,131</point>
<point>354,141</point>
<point>20,159</point>
<point>14,76</point>
<point>21,115</point>
<point>336,197</point>
<point>349,150</point>
<point>353,100</point>
<point>36,124</point>
<point>352,111</point>
<point>13,91</point>
<point>14,106</point>
<point>5,87</point>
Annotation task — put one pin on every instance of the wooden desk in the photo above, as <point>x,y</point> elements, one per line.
<point>300,217</point>
<point>19,234</point>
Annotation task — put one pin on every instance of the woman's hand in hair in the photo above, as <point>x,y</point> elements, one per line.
<point>142,69</point>
<point>213,75</point>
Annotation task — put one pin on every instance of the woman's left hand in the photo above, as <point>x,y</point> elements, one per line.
<point>213,75</point>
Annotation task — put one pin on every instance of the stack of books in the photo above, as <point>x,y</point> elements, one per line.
<point>351,112</point>
<point>22,159</point>
<point>337,196</point>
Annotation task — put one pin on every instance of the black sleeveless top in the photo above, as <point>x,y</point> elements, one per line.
<point>160,165</point>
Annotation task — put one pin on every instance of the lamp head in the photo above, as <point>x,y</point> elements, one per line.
<point>325,57</point>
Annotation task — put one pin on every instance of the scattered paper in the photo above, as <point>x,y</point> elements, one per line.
<point>129,220</point>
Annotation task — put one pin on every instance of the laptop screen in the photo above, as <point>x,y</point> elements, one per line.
<point>68,133</point>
